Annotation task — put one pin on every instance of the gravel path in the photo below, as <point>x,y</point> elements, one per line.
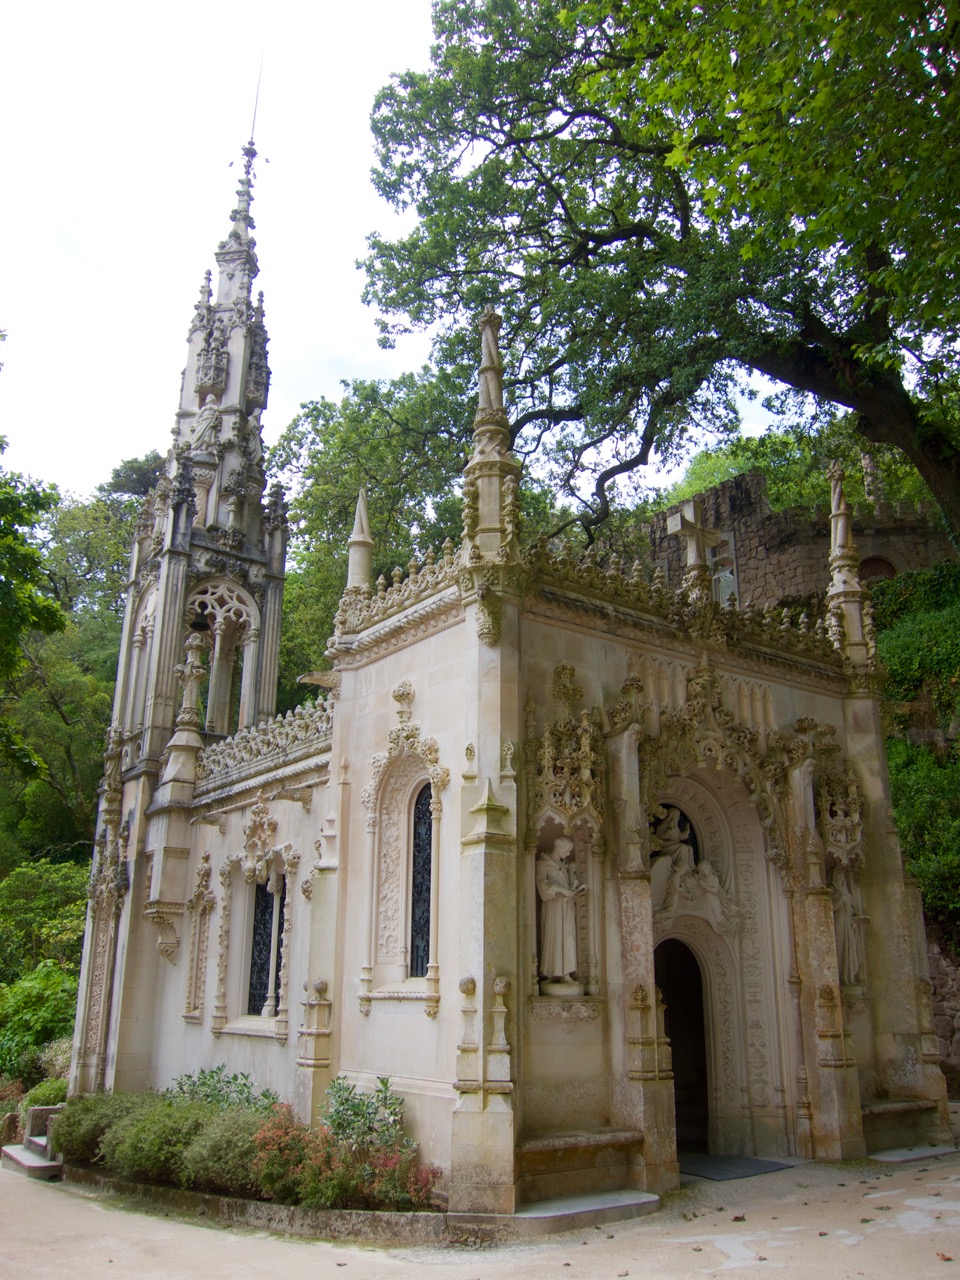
<point>809,1222</point>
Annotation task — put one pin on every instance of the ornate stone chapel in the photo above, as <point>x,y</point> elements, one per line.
<point>595,870</point>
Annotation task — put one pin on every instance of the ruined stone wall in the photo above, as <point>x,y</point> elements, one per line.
<point>785,553</point>
<point>945,976</point>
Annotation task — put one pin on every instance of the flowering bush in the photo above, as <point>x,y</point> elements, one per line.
<point>358,1158</point>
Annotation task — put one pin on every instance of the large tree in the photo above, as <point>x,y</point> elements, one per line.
<point>662,196</point>
<point>25,602</point>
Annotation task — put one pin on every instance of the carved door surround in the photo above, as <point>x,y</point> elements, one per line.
<point>744,950</point>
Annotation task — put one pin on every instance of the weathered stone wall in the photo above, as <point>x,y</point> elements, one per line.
<point>785,553</point>
<point>945,976</point>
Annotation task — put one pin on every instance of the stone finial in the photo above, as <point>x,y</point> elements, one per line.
<point>841,541</point>
<point>242,221</point>
<point>360,547</point>
<point>491,366</point>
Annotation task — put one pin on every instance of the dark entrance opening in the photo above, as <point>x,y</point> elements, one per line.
<point>681,985</point>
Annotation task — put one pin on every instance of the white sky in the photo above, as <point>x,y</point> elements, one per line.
<point>120,120</point>
<point>120,123</point>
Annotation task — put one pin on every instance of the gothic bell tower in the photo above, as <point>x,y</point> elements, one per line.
<point>207,562</point>
<point>210,549</point>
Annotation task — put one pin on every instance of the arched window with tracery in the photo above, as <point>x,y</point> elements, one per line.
<point>229,618</point>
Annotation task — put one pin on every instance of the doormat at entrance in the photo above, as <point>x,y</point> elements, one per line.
<point>723,1168</point>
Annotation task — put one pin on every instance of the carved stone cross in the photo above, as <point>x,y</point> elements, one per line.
<point>688,521</point>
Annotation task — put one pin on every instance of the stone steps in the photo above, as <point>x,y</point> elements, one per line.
<point>35,1156</point>
<point>19,1158</point>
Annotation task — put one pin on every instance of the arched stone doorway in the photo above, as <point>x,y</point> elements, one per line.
<point>680,982</point>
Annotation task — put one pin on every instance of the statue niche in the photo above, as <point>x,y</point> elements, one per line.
<point>558,888</point>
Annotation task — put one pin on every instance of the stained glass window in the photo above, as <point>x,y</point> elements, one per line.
<point>420,887</point>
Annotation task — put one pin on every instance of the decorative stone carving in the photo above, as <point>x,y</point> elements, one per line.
<point>212,360</point>
<point>566,764</point>
<point>841,817</point>
<point>200,905</point>
<point>162,915</point>
<point>308,728</point>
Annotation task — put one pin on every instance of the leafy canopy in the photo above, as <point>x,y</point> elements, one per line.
<point>588,170</point>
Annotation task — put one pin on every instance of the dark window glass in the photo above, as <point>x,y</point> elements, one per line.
<point>260,947</point>
<point>420,890</point>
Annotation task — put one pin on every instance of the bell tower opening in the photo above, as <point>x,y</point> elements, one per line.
<point>678,977</point>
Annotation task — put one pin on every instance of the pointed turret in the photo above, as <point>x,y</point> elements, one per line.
<point>492,474</point>
<point>360,547</point>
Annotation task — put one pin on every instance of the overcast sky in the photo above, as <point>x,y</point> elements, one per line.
<point>120,122</point>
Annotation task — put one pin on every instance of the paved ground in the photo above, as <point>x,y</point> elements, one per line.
<point>809,1222</point>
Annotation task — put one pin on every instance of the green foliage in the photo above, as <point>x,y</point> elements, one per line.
<point>832,126</point>
<point>919,591</point>
<point>917,616</point>
<point>48,1093</point>
<point>24,603</point>
<point>363,1120</point>
<point>926,804</point>
<point>214,1086</point>
<point>922,653</point>
<point>589,169</point>
<point>795,465</point>
<point>34,1010</point>
<point>220,1157</point>
<point>42,913</point>
<point>148,1143</point>
<point>79,1129</point>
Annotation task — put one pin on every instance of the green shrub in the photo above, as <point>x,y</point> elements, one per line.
<point>221,1156</point>
<point>921,653</point>
<point>926,803</point>
<point>147,1145</point>
<point>34,1010</point>
<point>219,1089</point>
<point>48,1093</point>
<point>363,1120</point>
<point>80,1127</point>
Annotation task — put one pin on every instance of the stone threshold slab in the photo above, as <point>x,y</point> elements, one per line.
<point>902,1155</point>
<point>565,1213</point>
